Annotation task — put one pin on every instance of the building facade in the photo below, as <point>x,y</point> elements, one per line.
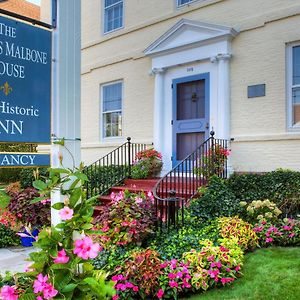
<point>167,72</point>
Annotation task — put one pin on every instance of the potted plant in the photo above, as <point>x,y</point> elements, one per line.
<point>148,164</point>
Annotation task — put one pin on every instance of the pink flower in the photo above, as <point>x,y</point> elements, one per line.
<point>172,276</point>
<point>213,273</point>
<point>237,268</point>
<point>105,228</point>
<point>160,293</point>
<point>285,227</point>
<point>115,297</point>
<point>129,285</point>
<point>179,274</point>
<point>163,265</point>
<point>138,200</point>
<point>269,240</point>
<point>8,293</point>
<point>173,284</point>
<point>120,287</point>
<point>49,292</point>
<point>61,258</point>
<point>85,248</point>
<point>135,288</point>
<point>66,213</point>
<point>40,283</point>
<point>225,280</point>
<point>291,235</point>
<point>211,258</point>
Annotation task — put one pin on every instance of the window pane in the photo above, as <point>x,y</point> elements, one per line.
<point>112,97</point>
<point>296,65</point>
<point>112,124</point>
<point>113,18</point>
<point>296,106</point>
<point>187,143</point>
<point>181,2</point>
<point>111,2</point>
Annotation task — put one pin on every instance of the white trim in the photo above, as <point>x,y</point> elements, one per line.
<point>290,86</point>
<point>101,129</point>
<point>103,17</point>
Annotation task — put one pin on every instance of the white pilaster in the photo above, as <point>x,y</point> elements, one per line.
<point>158,126</point>
<point>66,90</point>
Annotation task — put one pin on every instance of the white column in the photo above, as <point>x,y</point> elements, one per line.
<point>66,90</point>
<point>158,127</point>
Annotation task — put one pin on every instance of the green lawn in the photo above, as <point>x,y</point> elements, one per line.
<point>4,199</point>
<point>269,274</point>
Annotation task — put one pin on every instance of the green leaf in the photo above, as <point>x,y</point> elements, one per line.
<point>59,266</point>
<point>87,226</point>
<point>75,196</point>
<point>30,296</point>
<point>81,176</point>
<point>39,185</point>
<point>58,205</point>
<point>39,199</point>
<point>69,288</point>
<point>62,279</point>
<point>60,142</point>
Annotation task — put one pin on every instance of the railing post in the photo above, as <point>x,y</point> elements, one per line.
<point>212,133</point>
<point>129,156</point>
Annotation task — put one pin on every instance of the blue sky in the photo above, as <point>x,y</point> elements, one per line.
<point>38,2</point>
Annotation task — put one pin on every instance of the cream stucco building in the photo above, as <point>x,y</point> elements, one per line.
<point>168,71</point>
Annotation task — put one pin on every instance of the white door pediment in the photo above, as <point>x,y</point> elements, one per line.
<point>187,32</point>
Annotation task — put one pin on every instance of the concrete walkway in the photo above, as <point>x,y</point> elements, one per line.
<point>13,259</point>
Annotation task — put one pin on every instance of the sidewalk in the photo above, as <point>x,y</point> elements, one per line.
<point>13,259</point>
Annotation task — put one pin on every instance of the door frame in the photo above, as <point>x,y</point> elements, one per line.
<point>175,82</point>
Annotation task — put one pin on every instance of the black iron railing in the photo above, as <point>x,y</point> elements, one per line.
<point>111,169</point>
<point>176,188</point>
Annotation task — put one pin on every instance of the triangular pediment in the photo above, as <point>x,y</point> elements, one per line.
<point>186,33</point>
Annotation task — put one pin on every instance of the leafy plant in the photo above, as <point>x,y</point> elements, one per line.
<point>148,163</point>
<point>281,186</point>
<point>214,265</point>
<point>8,237</point>
<point>62,268</point>
<point>234,227</point>
<point>37,214</point>
<point>261,209</point>
<point>130,219</point>
<point>28,176</point>
<point>217,200</point>
<point>13,188</point>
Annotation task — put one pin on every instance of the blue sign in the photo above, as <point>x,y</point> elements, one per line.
<point>12,160</point>
<point>25,82</point>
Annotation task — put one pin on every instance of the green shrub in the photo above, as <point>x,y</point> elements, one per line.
<point>8,237</point>
<point>280,186</point>
<point>9,175</point>
<point>27,176</point>
<point>218,200</point>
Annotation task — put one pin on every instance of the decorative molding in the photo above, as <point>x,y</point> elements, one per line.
<point>155,71</point>
<point>224,56</point>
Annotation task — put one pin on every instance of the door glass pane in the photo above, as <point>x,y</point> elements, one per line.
<point>191,100</point>
<point>296,65</point>
<point>296,106</point>
<point>187,143</point>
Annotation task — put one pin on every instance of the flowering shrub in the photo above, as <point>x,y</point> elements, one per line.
<point>214,265</point>
<point>284,232</point>
<point>234,227</point>
<point>139,275</point>
<point>258,210</point>
<point>62,268</point>
<point>213,162</point>
<point>148,163</point>
<point>129,219</point>
<point>37,214</point>
<point>175,279</point>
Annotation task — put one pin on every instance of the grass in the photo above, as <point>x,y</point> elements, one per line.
<point>269,274</point>
<point>4,199</point>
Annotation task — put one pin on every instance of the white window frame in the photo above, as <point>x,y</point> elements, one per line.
<point>103,16</point>
<point>185,4</point>
<point>290,86</point>
<point>102,136</point>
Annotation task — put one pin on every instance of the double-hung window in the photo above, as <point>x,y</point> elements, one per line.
<point>183,2</point>
<point>112,109</point>
<point>113,15</point>
<point>294,85</point>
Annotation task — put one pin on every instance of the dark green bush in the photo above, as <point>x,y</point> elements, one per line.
<point>8,237</point>
<point>9,175</point>
<point>27,178</point>
<point>280,186</point>
<point>173,244</point>
<point>218,200</point>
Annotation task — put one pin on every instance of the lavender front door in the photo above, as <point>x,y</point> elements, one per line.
<point>190,114</point>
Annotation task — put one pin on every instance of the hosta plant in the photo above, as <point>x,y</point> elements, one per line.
<point>234,227</point>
